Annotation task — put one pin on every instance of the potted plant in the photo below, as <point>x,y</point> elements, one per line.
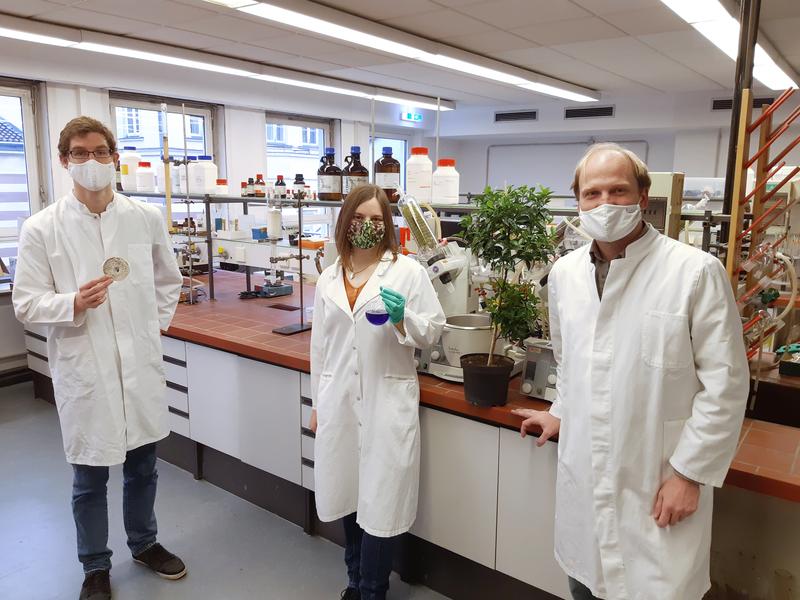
<point>509,230</point>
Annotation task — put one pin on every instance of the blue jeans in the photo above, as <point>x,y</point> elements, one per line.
<point>368,559</point>
<point>580,591</point>
<point>90,507</point>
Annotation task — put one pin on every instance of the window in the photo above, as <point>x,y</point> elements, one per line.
<point>18,178</point>
<point>310,136</point>
<point>132,127</point>
<point>295,145</point>
<point>195,126</point>
<point>150,128</point>
<point>399,148</point>
<point>275,133</point>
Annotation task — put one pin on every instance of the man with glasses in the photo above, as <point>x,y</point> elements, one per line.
<point>98,269</point>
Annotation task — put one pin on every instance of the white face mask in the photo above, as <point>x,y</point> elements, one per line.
<point>92,175</point>
<point>610,222</point>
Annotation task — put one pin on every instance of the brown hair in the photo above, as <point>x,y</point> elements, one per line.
<point>640,173</point>
<point>358,196</point>
<point>81,126</point>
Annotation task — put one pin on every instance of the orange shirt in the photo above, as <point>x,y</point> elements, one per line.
<point>352,292</point>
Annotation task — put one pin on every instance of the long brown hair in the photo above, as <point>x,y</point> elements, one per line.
<point>358,196</point>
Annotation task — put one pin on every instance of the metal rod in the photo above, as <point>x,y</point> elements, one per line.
<point>785,95</point>
<point>372,140</point>
<point>438,113</point>
<point>188,207</point>
<point>246,268</point>
<point>778,133</point>
<point>210,250</point>
<point>300,258</point>
<point>785,151</point>
<point>761,184</point>
<point>748,32</point>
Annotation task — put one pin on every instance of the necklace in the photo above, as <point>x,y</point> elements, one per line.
<point>353,274</point>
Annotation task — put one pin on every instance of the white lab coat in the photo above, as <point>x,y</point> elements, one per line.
<point>652,377</point>
<point>107,362</point>
<point>365,389</point>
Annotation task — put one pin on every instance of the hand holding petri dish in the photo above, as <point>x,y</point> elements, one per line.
<point>376,311</point>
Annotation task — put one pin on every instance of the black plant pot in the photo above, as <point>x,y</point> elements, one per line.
<point>486,385</point>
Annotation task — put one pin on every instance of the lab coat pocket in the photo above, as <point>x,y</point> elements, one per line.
<point>666,341</point>
<point>671,437</point>
<point>74,370</point>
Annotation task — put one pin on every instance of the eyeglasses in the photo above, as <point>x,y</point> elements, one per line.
<point>83,155</point>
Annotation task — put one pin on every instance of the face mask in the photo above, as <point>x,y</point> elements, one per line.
<point>610,222</point>
<point>92,175</point>
<point>365,234</point>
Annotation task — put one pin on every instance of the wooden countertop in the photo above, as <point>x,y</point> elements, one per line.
<point>767,460</point>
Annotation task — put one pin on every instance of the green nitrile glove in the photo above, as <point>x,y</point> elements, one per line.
<point>395,305</point>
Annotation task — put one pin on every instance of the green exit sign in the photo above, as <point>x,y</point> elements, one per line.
<point>411,117</point>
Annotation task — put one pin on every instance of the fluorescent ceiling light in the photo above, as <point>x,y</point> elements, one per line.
<point>313,86</point>
<point>346,34</point>
<point>162,58</point>
<point>409,103</point>
<point>472,69</point>
<point>34,37</point>
<point>711,19</point>
<point>550,90</point>
<point>232,3</point>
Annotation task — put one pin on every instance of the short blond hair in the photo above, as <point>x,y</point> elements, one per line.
<point>640,173</point>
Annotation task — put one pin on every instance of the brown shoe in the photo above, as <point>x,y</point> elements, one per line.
<point>96,586</point>
<point>162,562</point>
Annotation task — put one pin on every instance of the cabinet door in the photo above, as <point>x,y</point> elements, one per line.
<point>269,418</point>
<point>526,513</point>
<point>214,392</point>
<point>458,485</point>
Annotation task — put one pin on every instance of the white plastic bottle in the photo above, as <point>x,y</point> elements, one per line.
<point>203,176</point>
<point>175,176</point>
<point>188,178</point>
<point>221,188</point>
<point>419,175</point>
<point>128,165</point>
<point>445,182</point>
<point>145,178</point>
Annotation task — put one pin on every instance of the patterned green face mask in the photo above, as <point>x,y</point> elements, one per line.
<point>365,234</point>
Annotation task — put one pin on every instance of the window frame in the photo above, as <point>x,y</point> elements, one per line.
<point>141,102</point>
<point>27,95</point>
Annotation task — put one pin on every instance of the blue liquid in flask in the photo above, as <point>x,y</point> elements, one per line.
<point>377,318</point>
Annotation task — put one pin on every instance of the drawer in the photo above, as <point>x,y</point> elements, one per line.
<point>306,416</point>
<point>305,385</point>
<point>178,399</point>
<point>308,477</point>
<point>41,330</point>
<point>179,424</point>
<point>174,348</point>
<point>36,345</point>
<point>37,364</point>
<point>307,447</point>
<point>176,374</point>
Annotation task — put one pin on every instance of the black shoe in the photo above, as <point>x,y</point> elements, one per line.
<point>96,586</point>
<point>162,562</point>
<point>351,594</point>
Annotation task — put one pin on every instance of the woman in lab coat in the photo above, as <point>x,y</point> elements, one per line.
<point>365,390</point>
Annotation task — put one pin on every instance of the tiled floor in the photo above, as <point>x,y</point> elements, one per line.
<point>234,550</point>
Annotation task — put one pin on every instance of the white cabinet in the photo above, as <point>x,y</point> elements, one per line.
<point>269,418</point>
<point>214,397</point>
<point>458,485</point>
<point>526,513</point>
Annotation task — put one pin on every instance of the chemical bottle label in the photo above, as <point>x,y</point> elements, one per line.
<point>123,169</point>
<point>330,184</point>
<point>354,181</point>
<point>388,180</point>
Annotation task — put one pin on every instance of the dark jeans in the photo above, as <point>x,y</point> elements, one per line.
<point>90,507</point>
<point>368,559</point>
<point>580,591</point>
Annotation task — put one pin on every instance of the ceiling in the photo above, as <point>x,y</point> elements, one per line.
<point>615,46</point>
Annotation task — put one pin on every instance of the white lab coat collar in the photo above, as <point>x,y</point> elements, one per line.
<point>370,291</point>
<point>81,208</point>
